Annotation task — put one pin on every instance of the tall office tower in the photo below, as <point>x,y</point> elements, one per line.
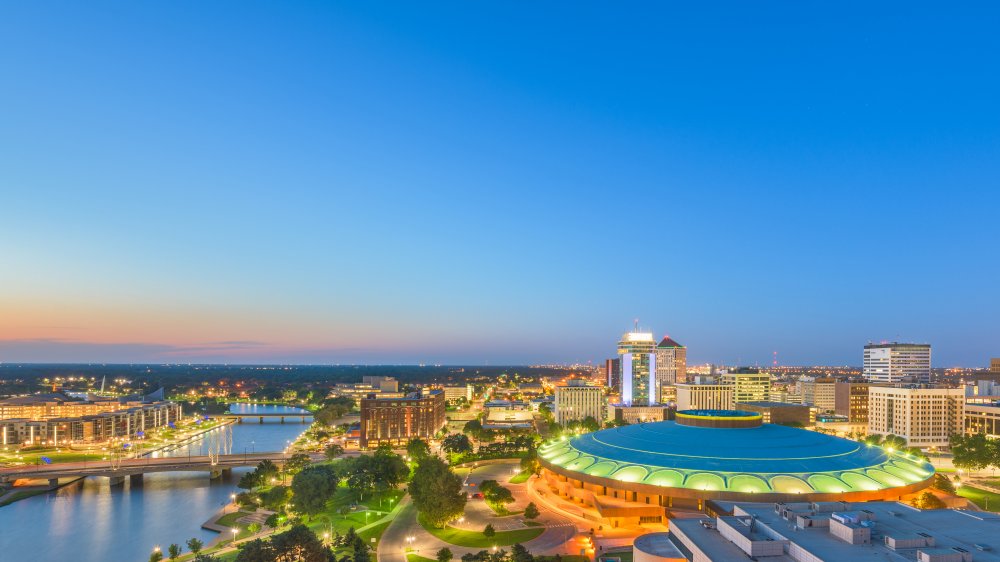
<point>893,362</point>
<point>638,368</point>
<point>613,374</point>
<point>749,384</point>
<point>671,366</point>
<point>925,417</point>
<point>577,401</point>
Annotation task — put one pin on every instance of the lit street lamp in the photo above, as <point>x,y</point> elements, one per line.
<point>235,532</point>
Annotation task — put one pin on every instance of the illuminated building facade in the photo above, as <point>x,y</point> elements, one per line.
<point>634,474</point>
<point>749,384</point>
<point>671,367</point>
<point>397,420</point>
<point>576,401</point>
<point>891,363</point>
<point>637,352</point>
<point>924,416</point>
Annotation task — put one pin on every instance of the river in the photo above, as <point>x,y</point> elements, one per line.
<point>89,521</point>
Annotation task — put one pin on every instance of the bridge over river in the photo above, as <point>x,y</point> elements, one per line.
<point>261,416</point>
<point>116,471</point>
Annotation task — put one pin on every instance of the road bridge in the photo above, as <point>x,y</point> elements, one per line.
<point>239,417</point>
<point>116,471</point>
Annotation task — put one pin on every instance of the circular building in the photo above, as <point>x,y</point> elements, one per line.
<point>632,474</point>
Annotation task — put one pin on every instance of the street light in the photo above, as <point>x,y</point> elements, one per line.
<point>235,532</point>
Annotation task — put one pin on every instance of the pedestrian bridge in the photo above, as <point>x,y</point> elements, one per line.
<point>117,470</point>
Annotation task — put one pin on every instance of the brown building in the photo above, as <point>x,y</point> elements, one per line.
<point>852,401</point>
<point>995,365</point>
<point>397,420</point>
<point>638,414</point>
<point>781,413</point>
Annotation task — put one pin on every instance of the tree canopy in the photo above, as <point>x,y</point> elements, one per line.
<point>437,492</point>
<point>974,452</point>
<point>313,487</point>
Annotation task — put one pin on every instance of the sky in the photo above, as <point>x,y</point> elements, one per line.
<point>497,182</point>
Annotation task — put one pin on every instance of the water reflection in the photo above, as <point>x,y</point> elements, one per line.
<point>91,521</point>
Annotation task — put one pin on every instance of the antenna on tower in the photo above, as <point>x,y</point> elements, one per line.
<point>636,324</point>
<point>104,378</point>
<point>775,362</point>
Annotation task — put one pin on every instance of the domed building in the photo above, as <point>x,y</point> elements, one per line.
<point>636,473</point>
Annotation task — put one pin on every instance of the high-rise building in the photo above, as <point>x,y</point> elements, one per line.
<point>576,401</point>
<point>397,420</point>
<point>638,368</point>
<point>891,363</point>
<point>851,400</point>
<point>671,366</point>
<point>995,365</point>
<point>749,384</point>
<point>613,374</point>
<point>924,416</point>
<point>692,396</point>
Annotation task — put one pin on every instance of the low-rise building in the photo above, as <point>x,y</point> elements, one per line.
<point>983,418</point>
<point>704,396</point>
<point>638,414</point>
<point>782,413</point>
<point>131,422</point>
<point>839,532</point>
<point>851,400</point>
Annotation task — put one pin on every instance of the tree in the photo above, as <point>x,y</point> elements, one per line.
<point>333,451</point>
<point>418,449</point>
<point>444,555</point>
<point>974,452</point>
<point>249,480</point>
<point>531,511</point>
<point>257,550</point>
<point>276,497</point>
<point>254,528</point>
<point>156,556</point>
<point>520,554</point>
<point>313,487</point>
<point>173,551</point>
<point>928,500</point>
<point>489,532</point>
<point>437,492</point>
<point>456,443</point>
<point>297,462</point>
<point>299,543</point>
<point>943,483</point>
<point>194,545</point>
<point>473,428</point>
<point>529,462</point>
<point>266,470</point>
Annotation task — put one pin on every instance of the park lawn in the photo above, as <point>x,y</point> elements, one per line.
<point>418,558</point>
<point>521,477</point>
<point>331,519</point>
<point>983,498</point>
<point>625,555</point>
<point>229,519</point>
<point>375,532</point>
<point>501,509</point>
<point>35,456</point>
<point>476,539</point>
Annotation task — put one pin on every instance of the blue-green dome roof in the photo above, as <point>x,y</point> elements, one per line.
<point>768,458</point>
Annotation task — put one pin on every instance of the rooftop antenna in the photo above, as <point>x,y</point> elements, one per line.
<point>104,378</point>
<point>636,323</point>
<point>775,362</point>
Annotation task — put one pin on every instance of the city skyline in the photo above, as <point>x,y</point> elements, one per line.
<point>455,184</point>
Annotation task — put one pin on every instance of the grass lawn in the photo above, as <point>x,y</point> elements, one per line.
<point>475,539</point>
<point>336,522</point>
<point>982,498</point>
<point>374,532</point>
<point>501,509</point>
<point>521,477</point>
<point>625,555</point>
<point>418,558</point>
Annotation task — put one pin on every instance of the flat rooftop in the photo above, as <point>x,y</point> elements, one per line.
<point>975,532</point>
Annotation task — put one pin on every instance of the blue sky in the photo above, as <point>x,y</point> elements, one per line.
<point>496,182</point>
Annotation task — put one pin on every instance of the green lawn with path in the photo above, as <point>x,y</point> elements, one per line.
<point>418,558</point>
<point>983,498</point>
<point>476,539</point>
<point>521,477</point>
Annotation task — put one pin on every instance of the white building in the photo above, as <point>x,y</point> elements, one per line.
<point>891,363</point>
<point>925,417</point>
<point>576,401</point>
<point>704,396</point>
<point>637,352</point>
